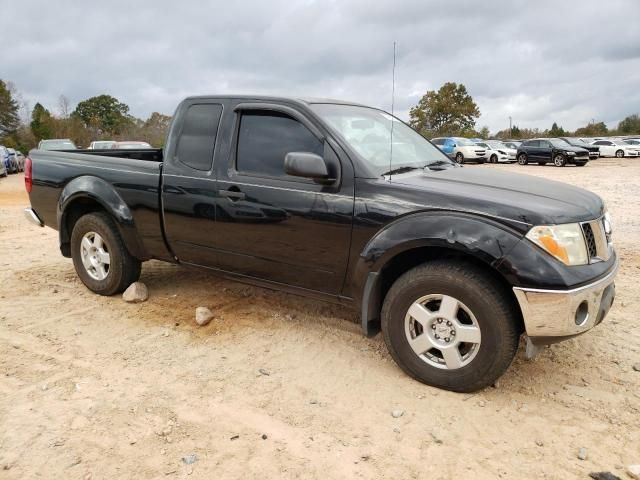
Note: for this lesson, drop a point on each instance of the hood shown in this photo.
(524, 200)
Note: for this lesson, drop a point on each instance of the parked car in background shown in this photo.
(20, 157)
(551, 150)
(3, 166)
(632, 141)
(498, 151)
(513, 144)
(594, 151)
(461, 149)
(616, 148)
(13, 161)
(57, 144)
(130, 145)
(101, 144)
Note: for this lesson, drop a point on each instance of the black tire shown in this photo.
(559, 160)
(522, 159)
(124, 269)
(493, 159)
(494, 310)
(459, 158)
(620, 153)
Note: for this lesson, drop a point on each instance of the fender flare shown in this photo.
(482, 238)
(102, 193)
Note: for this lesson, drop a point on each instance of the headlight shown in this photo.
(570, 153)
(501, 152)
(564, 242)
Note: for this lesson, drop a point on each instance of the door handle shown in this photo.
(232, 195)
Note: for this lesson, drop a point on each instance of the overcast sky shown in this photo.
(568, 61)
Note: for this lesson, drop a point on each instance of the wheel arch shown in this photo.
(88, 194)
(460, 238)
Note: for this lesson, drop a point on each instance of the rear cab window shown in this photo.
(198, 136)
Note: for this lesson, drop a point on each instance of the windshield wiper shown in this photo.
(398, 170)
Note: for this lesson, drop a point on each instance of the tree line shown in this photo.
(102, 117)
(451, 112)
(448, 111)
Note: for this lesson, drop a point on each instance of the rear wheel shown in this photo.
(522, 159)
(459, 158)
(559, 160)
(450, 325)
(620, 153)
(100, 257)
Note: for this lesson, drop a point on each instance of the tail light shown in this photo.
(28, 174)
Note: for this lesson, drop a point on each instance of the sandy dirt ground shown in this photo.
(278, 386)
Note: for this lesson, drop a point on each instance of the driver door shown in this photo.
(277, 227)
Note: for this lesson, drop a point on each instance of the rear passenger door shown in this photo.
(277, 227)
(545, 150)
(189, 184)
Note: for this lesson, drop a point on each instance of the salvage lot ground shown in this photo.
(91, 387)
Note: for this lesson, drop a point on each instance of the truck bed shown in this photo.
(135, 175)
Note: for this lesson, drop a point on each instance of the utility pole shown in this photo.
(510, 128)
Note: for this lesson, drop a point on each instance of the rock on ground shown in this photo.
(634, 471)
(136, 293)
(203, 315)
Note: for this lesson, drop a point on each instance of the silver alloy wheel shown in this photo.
(619, 154)
(558, 160)
(522, 159)
(95, 256)
(459, 157)
(442, 331)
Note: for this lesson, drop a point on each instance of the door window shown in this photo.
(265, 138)
(198, 137)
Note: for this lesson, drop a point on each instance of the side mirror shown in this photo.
(454, 145)
(307, 165)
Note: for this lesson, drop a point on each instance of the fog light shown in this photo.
(582, 313)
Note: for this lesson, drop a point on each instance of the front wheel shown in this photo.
(522, 159)
(100, 256)
(620, 153)
(493, 159)
(450, 325)
(459, 158)
(559, 160)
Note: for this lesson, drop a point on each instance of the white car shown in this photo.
(101, 144)
(461, 149)
(616, 148)
(498, 151)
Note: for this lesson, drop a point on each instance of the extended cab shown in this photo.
(326, 199)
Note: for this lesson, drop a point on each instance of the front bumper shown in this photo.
(554, 315)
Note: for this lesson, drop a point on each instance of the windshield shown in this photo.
(620, 142)
(368, 132)
(633, 142)
(496, 144)
(57, 145)
(482, 144)
(556, 142)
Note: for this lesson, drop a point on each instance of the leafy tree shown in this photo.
(556, 131)
(630, 125)
(484, 132)
(106, 112)
(448, 111)
(41, 122)
(593, 130)
(9, 119)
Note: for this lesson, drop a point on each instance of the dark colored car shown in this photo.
(452, 263)
(594, 151)
(551, 150)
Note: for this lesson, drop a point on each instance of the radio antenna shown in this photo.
(393, 97)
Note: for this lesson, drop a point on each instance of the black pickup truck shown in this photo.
(342, 202)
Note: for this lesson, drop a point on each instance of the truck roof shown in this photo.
(302, 100)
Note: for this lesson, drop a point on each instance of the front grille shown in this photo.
(598, 241)
(590, 239)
